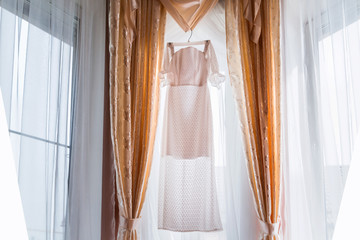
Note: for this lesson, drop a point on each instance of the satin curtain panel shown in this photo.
(254, 66)
(136, 45)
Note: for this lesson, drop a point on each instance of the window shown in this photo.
(37, 80)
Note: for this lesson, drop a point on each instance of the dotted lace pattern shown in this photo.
(187, 193)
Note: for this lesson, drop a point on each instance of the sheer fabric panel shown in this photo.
(322, 110)
(37, 45)
(84, 203)
(12, 219)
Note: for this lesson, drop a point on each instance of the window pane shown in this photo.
(36, 78)
(43, 174)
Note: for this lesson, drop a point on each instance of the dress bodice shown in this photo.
(190, 66)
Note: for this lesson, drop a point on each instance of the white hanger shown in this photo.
(188, 43)
(190, 35)
(180, 44)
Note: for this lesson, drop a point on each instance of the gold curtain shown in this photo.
(136, 46)
(253, 52)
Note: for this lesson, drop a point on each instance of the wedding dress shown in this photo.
(187, 189)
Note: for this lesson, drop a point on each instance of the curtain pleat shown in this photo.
(188, 13)
(136, 45)
(253, 52)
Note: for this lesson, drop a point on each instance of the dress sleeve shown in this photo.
(165, 75)
(215, 77)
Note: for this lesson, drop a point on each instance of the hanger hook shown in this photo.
(190, 35)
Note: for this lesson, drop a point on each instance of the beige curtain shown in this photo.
(252, 35)
(188, 13)
(136, 44)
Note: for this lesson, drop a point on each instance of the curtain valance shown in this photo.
(188, 13)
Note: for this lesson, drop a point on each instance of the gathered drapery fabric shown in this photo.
(136, 46)
(188, 13)
(322, 110)
(252, 14)
(254, 69)
(39, 48)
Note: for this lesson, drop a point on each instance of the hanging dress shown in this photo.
(187, 189)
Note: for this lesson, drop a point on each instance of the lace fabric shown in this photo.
(215, 78)
(187, 193)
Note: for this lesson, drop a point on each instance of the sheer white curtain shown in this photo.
(36, 77)
(12, 220)
(321, 55)
(235, 200)
(85, 180)
(51, 78)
